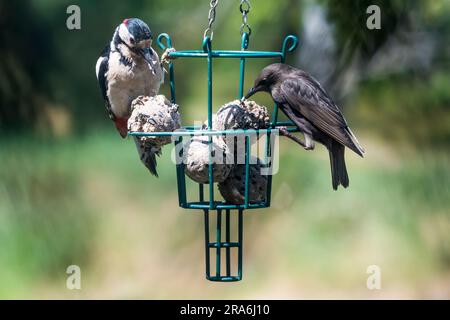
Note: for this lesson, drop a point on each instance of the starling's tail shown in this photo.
(147, 154)
(337, 160)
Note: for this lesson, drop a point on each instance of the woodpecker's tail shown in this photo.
(147, 154)
(337, 160)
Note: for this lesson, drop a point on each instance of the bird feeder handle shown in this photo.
(244, 8)
(211, 18)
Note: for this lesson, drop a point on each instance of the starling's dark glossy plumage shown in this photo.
(308, 105)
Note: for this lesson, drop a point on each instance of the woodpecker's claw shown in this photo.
(165, 58)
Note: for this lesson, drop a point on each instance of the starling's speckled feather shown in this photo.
(304, 95)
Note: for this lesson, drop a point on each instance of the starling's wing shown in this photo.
(306, 96)
(101, 69)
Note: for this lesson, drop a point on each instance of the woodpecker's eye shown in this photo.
(132, 41)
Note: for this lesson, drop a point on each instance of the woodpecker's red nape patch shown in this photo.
(125, 22)
(121, 125)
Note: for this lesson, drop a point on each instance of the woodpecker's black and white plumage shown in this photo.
(307, 104)
(127, 68)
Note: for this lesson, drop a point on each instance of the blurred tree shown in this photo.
(26, 58)
(43, 64)
(349, 19)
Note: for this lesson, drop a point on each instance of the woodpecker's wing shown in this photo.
(101, 69)
(306, 96)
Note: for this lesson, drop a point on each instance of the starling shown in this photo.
(317, 117)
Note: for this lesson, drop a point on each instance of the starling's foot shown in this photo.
(165, 58)
(309, 142)
(286, 133)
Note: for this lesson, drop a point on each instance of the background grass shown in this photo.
(88, 201)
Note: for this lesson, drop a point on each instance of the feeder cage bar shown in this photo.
(228, 245)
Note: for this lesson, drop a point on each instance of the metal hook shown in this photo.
(161, 44)
(290, 43)
(206, 44)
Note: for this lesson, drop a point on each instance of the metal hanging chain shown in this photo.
(211, 19)
(244, 7)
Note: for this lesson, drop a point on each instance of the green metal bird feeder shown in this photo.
(222, 245)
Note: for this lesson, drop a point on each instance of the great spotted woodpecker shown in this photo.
(127, 68)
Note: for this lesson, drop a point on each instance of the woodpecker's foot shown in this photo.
(165, 58)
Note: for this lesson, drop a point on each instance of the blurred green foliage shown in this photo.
(349, 37)
(88, 201)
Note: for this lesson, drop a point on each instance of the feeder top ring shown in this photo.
(206, 45)
(290, 43)
(166, 37)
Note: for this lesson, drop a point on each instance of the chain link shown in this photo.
(244, 7)
(211, 19)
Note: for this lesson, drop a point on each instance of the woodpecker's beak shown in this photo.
(146, 53)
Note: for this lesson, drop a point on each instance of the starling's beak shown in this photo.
(251, 92)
